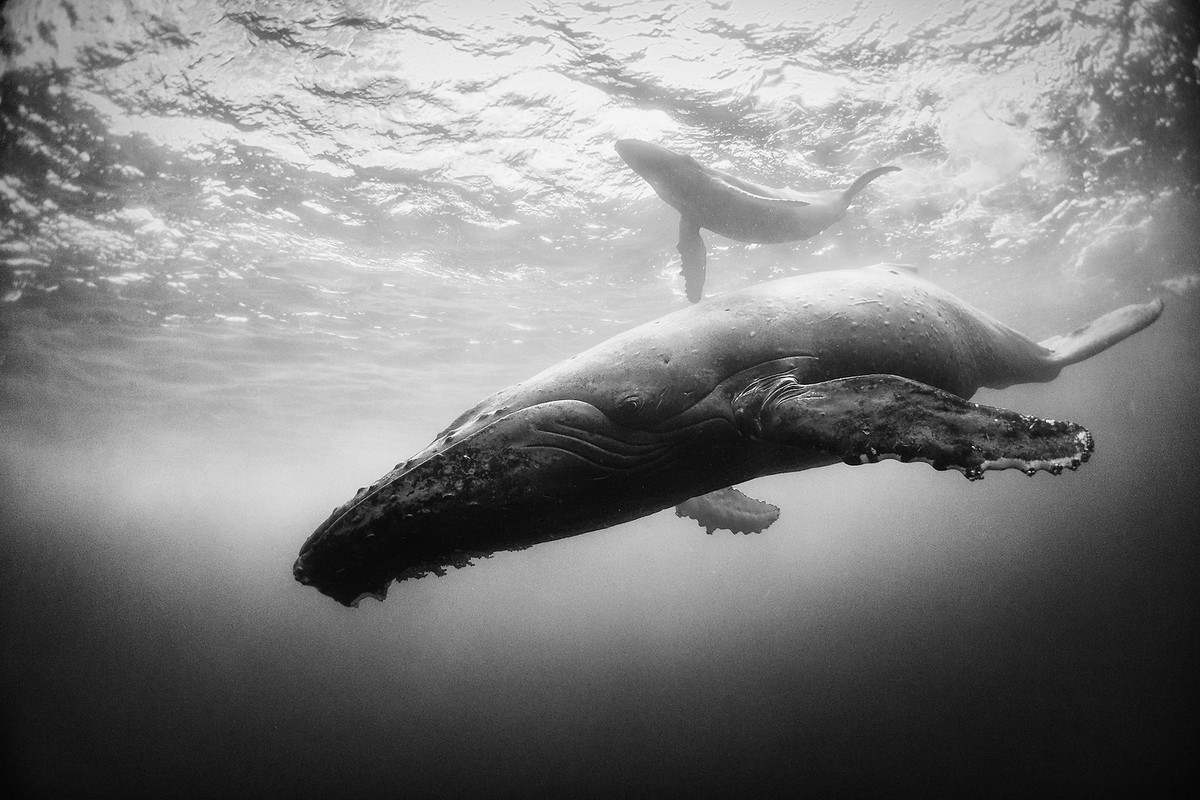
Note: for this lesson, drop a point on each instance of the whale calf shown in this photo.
(848, 366)
(735, 208)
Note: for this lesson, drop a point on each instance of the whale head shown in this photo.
(675, 177)
(645, 157)
(500, 481)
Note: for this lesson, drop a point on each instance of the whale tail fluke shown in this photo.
(1101, 334)
(866, 178)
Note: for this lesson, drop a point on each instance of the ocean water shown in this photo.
(254, 254)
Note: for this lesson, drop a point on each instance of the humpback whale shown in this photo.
(849, 366)
(733, 207)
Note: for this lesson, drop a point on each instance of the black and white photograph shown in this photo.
(588, 399)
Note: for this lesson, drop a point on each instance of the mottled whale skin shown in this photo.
(733, 207)
(847, 366)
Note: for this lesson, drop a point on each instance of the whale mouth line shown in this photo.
(630, 453)
(601, 458)
(605, 450)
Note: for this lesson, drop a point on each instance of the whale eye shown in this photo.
(628, 406)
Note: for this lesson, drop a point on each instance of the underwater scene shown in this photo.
(283, 282)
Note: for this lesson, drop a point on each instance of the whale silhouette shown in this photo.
(733, 207)
(849, 366)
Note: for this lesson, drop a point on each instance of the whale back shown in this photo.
(847, 322)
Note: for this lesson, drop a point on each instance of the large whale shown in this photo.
(848, 366)
(733, 207)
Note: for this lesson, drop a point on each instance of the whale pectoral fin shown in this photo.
(868, 417)
(693, 255)
(729, 510)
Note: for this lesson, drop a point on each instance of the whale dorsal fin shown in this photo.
(893, 267)
(729, 509)
(755, 191)
(777, 196)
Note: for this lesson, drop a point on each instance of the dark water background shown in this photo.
(254, 254)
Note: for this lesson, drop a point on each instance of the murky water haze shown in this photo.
(252, 255)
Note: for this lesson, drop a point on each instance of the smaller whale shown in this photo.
(735, 208)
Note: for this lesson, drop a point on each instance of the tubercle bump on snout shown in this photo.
(411, 522)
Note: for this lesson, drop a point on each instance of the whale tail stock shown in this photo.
(1101, 334)
(863, 180)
